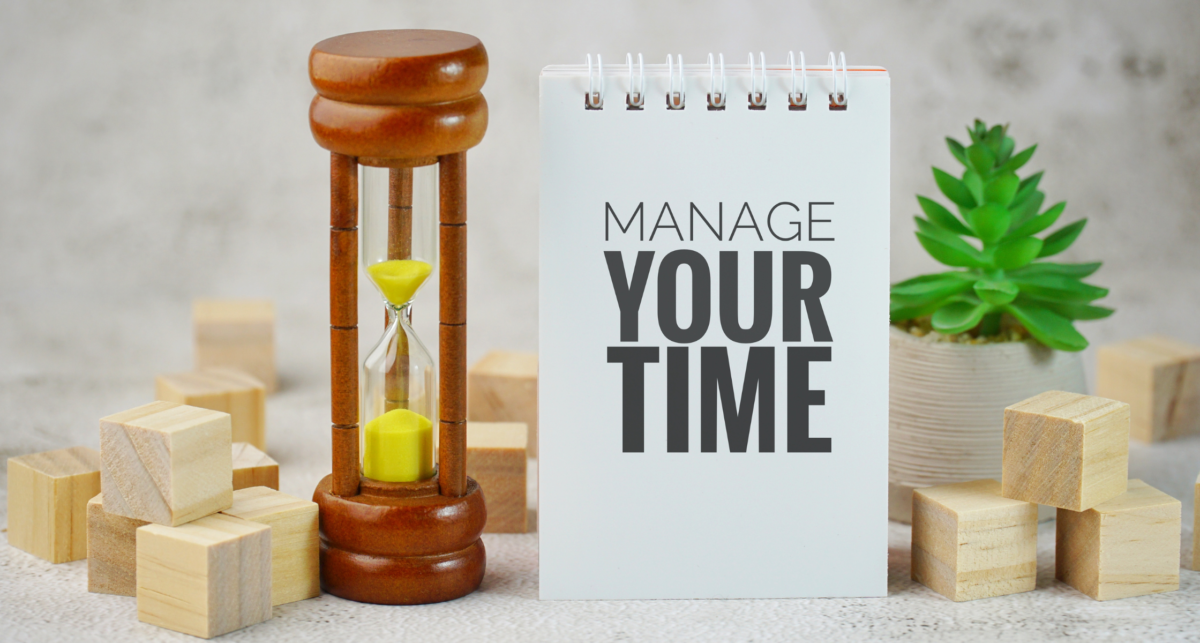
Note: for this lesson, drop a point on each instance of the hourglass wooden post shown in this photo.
(399, 99)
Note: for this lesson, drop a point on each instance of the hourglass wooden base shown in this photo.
(401, 543)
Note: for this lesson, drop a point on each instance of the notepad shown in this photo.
(713, 373)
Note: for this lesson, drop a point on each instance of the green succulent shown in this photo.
(1001, 268)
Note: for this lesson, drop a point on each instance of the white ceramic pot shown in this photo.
(947, 400)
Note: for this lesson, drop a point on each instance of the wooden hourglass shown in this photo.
(394, 530)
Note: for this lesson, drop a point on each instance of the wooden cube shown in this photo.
(205, 578)
(221, 389)
(112, 551)
(502, 387)
(238, 334)
(1160, 379)
(295, 564)
(253, 468)
(1127, 546)
(47, 502)
(970, 542)
(166, 463)
(1066, 450)
(496, 459)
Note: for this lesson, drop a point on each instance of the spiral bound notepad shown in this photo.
(713, 330)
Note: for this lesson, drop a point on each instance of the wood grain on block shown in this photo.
(502, 387)
(496, 459)
(112, 551)
(295, 556)
(1066, 450)
(253, 468)
(166, 463)
(47, 502)
(238, 334)
(1127, 546)
(970, 542)
(205, 578)
(229, 390)
(1160, 379)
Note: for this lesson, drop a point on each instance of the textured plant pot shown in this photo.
(946, 407)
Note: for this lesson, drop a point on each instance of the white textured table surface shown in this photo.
(44, 602)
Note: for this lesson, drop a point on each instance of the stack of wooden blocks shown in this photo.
(169, 528)
(502, 434)
(1116, 537)
(156, 514)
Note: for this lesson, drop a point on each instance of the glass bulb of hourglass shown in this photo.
(399, 380)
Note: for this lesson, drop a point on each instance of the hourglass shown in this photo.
(404, 106)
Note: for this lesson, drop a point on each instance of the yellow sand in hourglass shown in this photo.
(399, 447)
(399, 279)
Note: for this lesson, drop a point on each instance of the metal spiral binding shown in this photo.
(675, 98)
(798, 101)
(839, 99)
(594, 99)
(716, 99)
(758, 99)
(636, 100)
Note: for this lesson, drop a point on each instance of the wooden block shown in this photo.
(970, 542)
(496, 459)
(253, 468)
(166, 463)
(47, 502)
(502, 387)
(1196, 529)
(111, 551)
(1160, 379)
(238, 334)
(227, 390)
(295, 564)
(1127, 546)
(1066, 450)
(205, 578)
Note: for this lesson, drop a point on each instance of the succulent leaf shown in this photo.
(989, 221)
(960, 255)
(936, 288)
(974, 184)
(1029, 183)
(1047, 326)
(1062, 238)
(1026, 209)
(982, 159)
(1006, 150)
(943, 217)
(1016, 253)
(959, 316)
(1051, 287)
(957, 150)
(1017, 162)
(954, 189)
(1001, 189)
(1041, 221)
(1076, 270)
(1077, 311)
(996, 293)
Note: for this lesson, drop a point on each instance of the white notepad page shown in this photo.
(616, 522)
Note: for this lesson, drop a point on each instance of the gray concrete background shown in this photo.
(152, 152)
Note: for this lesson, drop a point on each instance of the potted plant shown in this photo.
(994, 330)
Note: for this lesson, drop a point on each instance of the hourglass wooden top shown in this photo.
(399, 95)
